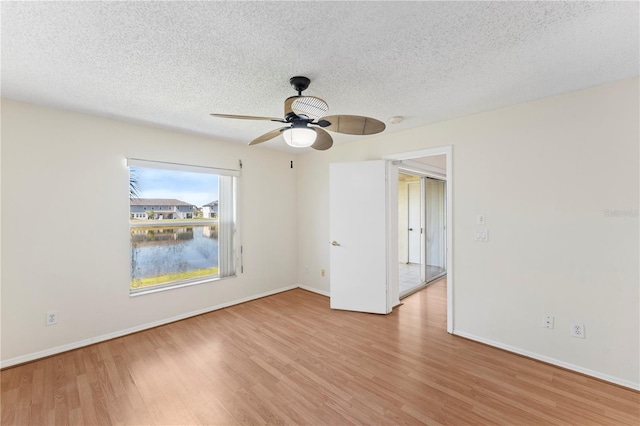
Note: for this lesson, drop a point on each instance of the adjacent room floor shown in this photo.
(409, 275)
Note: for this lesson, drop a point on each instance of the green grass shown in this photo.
(176, 276)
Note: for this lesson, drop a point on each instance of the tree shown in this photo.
(151, 214)
(134, 186)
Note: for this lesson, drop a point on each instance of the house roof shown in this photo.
(211, 204)
(157, 202)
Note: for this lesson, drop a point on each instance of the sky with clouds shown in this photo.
(193, 188)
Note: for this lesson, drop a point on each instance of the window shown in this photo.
(171, 246)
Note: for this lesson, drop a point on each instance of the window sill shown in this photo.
(179, 284)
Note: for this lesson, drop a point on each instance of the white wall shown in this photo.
(55, 162)
(544, 173)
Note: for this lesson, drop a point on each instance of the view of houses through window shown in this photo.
(176, 227)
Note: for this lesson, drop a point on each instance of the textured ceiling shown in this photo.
(173, 63)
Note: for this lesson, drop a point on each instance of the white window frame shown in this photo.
(228, 266)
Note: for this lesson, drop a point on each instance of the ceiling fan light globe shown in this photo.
(299, 137)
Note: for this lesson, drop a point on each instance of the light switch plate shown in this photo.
(482, 234)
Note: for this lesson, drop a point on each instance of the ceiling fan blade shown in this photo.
(323, 140)
(249, 117)
(354, 124)
(287, 105)
(267, 136)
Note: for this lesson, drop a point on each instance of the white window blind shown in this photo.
(227, 226)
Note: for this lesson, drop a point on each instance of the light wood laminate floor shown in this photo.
(289, 359)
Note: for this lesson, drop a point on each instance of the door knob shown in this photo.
(410, 229)
(335, 243)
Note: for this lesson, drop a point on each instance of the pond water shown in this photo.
(158, 251)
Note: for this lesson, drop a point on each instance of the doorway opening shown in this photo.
(418, 162)
(422, 254)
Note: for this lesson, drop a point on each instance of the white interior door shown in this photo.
(358, 220)
(414, 226)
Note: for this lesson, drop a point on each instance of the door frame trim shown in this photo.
(429, 152)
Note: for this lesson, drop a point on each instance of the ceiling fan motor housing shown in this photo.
(300, 122)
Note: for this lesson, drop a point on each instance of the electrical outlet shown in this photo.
(577, 329)
(322, 272)
(547, 321)
(52, 318)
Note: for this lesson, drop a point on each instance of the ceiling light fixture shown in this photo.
(299, 137)
(301, 112)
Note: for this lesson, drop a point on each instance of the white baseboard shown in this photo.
(315, 290)
(568, 366)
(86, 342)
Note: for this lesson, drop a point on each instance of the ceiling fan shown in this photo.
(305, 119)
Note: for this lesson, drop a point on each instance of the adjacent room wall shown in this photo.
(65, 236)
(545, 174)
